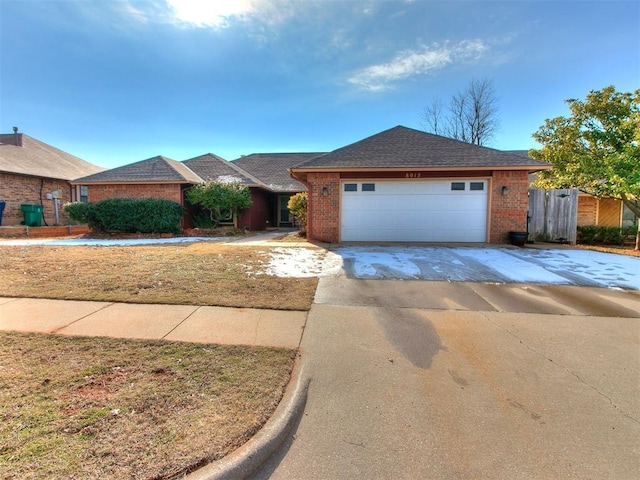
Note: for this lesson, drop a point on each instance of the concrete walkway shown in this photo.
(187, 323)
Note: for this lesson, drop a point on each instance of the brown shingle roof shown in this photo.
(273, 169)
(38, 159)
(211, 167)
(152, 170)
(401, 147)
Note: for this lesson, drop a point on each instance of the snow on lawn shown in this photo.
(295, 262)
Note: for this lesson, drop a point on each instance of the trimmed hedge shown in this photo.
(594, 235)
(146, 215)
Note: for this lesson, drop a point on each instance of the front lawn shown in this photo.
(90, 408)
(194, 274)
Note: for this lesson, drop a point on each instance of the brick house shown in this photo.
(30, 170)
(265, 175)
(411, 186)
(604, 212)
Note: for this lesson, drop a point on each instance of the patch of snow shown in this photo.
(295, 262)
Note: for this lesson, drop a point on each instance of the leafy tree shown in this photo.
(596, 149)
(297, 205)
(221, 199)
(470, 116)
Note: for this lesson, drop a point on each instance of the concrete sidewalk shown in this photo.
(187, 323)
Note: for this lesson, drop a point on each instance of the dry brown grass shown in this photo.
(195, 274)
(620, 250)
(111, 409)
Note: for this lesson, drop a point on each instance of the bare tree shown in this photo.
(471, 115)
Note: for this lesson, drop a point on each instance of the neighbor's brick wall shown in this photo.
(508, 212)
(324, 222)
(167, 191)
(19, 189)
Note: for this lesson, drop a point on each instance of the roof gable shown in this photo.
(212, 168)
(402, 147)
(157, 169)
(273, 169)
(35, 158)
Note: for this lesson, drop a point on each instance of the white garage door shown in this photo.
(414, 211)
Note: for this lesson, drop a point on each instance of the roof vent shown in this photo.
(16, 139)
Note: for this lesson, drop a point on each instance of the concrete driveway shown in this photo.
(561, 265)
(440, 380)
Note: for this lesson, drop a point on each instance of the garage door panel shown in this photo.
(415, 211)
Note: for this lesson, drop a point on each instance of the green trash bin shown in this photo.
(32, 214)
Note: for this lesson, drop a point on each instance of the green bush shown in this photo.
(147, 215)
(78, 211)
(594, 235)
(202, 220)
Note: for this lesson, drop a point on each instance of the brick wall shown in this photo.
(508, 212)
(19, 189)
(167, 191)
(323, 223)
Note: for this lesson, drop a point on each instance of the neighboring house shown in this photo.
(584, 210)
(265, 175)
(604, 212)
(410, 186)
(30, 170)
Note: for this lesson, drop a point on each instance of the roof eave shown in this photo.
(132, 182)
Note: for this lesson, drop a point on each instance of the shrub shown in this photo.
(221, 199)
(147, 215)
(298, 207)
(77, 211)
(594, 235)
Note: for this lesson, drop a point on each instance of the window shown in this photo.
(368, 187)
(457, 185)
(476, 186)
(350, 187)
(84, 193)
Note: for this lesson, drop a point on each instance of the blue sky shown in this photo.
(119, 81)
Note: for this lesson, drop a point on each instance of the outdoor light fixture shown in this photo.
(325, 191)
(505, 190)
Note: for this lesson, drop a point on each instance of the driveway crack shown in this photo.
(565, 368)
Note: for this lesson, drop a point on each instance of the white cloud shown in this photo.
(411, 63)
(210, 13)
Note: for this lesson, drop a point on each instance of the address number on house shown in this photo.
(413, 175)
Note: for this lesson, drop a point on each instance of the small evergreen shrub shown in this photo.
(77, 211)
(594, 235)
(298, 207)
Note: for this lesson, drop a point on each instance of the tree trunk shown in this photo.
(638, 236)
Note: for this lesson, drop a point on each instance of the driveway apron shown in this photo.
(431, 380)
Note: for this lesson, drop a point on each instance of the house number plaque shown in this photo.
(412, 175)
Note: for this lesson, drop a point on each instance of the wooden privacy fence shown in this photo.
(553, 215)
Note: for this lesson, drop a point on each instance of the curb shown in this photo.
(248, 458)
